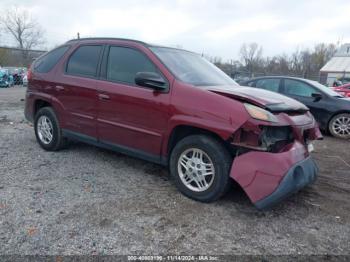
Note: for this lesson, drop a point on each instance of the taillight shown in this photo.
(29, 74)
(348, 94)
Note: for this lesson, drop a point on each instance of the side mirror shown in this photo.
(316, 96)
(151, 80)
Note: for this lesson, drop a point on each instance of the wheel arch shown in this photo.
(40, 103)
(183, 130)
(43, 100)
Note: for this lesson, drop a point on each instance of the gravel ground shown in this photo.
(85, 200)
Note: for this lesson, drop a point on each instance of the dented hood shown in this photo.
(269, 100)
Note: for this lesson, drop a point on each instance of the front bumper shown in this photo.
(300, 175)
(267, 178)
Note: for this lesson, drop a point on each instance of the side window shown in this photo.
(298, 88)
(48, 61)
(124, 63)
(251, 83)
(269, 84)
(84, 61)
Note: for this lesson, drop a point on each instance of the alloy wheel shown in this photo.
(196, 169)
(45, 129)
(341, 126)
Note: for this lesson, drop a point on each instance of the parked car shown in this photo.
(331, 110)
(5, 80)
(17, 74)
(10, 80)
(174, 108)
(343, 90)
(25, 80)
(9, 77)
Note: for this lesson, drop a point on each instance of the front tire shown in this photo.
(339, 126)
(47, 130)
(200, 168)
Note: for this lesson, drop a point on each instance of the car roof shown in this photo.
(285, 77)
(88, 39)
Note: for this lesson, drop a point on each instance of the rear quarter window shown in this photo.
(45, 63)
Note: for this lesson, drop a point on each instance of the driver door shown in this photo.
(130, 117)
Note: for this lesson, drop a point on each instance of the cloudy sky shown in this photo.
(213, 27)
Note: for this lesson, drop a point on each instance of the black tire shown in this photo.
(58, 141)
(220, 158)
(338, 133)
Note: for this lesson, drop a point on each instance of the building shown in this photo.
(10, 56)
(338, 68)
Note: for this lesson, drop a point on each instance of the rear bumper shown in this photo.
(267, 178)
(300, 175)
(29, 106)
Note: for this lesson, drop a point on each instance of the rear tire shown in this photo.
(200, 168)
(339, 126)
(47, 130)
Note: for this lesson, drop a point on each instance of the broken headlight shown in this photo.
(260, 113)
(275, 138)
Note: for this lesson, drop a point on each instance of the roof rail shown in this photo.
(106, 38)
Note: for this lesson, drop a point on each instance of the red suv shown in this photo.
(174, 108)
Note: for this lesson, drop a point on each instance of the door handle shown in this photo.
(59, 88)
(103, 97)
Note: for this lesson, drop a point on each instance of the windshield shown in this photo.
(191, 68)
(325, 89)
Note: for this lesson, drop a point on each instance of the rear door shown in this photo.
(248, 83)
(271, 84)
(130, 116)
(76, 89)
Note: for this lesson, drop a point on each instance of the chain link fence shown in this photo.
(15, 57)
(14, 63)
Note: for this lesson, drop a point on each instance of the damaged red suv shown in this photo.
(174, 108)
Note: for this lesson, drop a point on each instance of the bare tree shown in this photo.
(296, 62)
(301, 63)
(214, 59)
(23, 28)
(277, 65)
(321, 54)
(251, 56)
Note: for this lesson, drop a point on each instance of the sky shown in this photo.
(213, 27)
